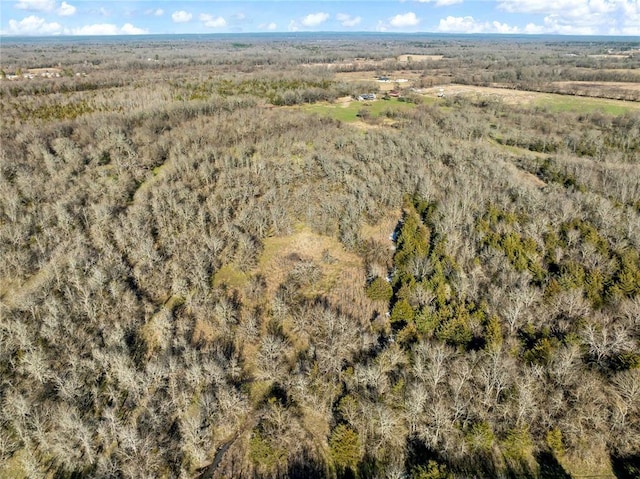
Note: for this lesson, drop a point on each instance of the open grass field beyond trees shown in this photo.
(216, 261)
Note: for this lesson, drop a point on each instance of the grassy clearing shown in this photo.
(597, 464)
(333, 272)
(585, 105)
(515, 150)
(419, 58)
(229, 275)
(383, 230)
(282, 254)
(348, 112)
(14, 466)
(339, 274)
(550, 101)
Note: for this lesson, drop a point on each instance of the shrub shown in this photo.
(379, 289)
(432, 470)
(481, 437)
(554, 441)
(346, 449)
(402, 312)
(265, 456)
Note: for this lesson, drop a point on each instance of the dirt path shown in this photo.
(209, 471)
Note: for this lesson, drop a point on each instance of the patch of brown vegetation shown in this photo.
(419, 58)
(204, 332)
(509, 96)
(616, 90)
(38, 71)
(340, 273)
(611, 55)
(364, 125)
(530, 178)
(383, 229)
(344, 101)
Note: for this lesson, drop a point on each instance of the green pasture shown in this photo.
(581, 104)
(349, 112)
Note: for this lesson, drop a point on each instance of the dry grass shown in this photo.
(282, 253)
(230, 276)
(381, 231)
(631, 86)
(341, 275)
(419, 58)
(611, 55)
(552, 101)
(38, 71)
(512, 97)
(596, 463)
(204, 332)
(523, 176)
(14, 467)
(341, 279)
(14, 293)
(617, 90)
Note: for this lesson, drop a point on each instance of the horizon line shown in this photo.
(329, 32)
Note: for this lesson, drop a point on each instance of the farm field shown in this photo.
(555, 102)
(349, 110)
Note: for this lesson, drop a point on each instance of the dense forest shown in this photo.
(205, 273)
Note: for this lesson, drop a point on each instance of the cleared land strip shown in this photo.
(553, 101)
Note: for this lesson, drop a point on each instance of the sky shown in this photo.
(136, 17)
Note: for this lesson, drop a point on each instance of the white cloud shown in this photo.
(347, 20)
(604, 6)
(96, 29)
(558, 24)
(157, 12)
(66, 10)
(540, 6)
(293, 26)
(268, 26)
(36, 5)
(315, 19)
(533, 29)
(631, 30)
(441, 3)
(468, 24)
(497, 27)
(457, 24)
(33, 25)
(579, 17)
(211, 21)
(408, 19)
(128, 29)
(107, 29)
(181, 16)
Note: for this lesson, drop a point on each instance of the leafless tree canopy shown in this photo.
(200, 276)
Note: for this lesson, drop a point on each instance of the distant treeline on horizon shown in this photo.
(318, 36)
